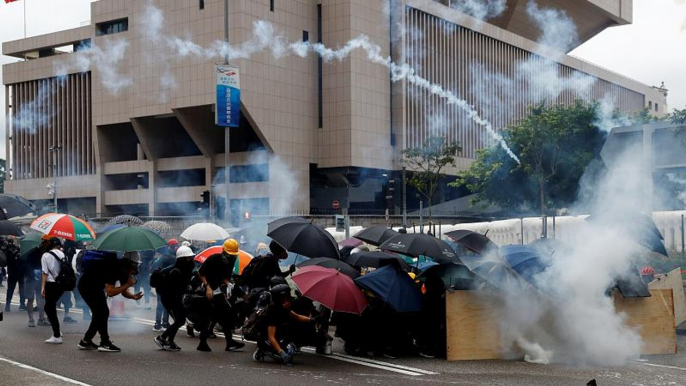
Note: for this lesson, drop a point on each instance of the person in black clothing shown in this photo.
(272, 339)
(175, 284)
(166, 259)
(15, 273)
(214, 274)
(144, 282)
(268, 268)
(101, 271)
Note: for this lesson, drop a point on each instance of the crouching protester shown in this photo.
(173, 285)
(100, 273)
(273, 339)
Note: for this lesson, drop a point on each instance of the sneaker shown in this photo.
(69, 320)
(189, 331)
(165, 326)
(160, 342)
(22, 307)
(43, 323)
(171, 346)
(203, 346)
(87, 345)
(157, 328)
(54, 340)
(7, 307)
(32, 323)
(258, 355)
(234, 345)
(108, 347)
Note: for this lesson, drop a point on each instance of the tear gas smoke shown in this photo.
(31, 115)
(558, 31)
(480, 9)
(105, 59)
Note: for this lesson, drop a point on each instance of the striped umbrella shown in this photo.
(63, 226)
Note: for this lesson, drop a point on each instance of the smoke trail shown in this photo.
(558, 31)
(480, 9)
(31, 115)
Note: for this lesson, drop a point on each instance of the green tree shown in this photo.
(677, 116)
(554, 144)
(427, 164)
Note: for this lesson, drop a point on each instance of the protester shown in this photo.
(214, 274)
(101, 272)
(260, 271)
(167, 258)
(173, 286)
(49, 290)
(32, 284)
(143, 282)
(15, 273)
(272, 340)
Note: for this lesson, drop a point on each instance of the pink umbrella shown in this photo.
(331, 288)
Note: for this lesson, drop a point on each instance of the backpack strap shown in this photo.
(56, 257)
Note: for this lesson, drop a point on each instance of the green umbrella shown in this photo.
(129, 239)
(28, 242)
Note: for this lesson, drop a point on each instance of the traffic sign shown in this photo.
(335, 204)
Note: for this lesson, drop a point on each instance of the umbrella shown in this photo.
(125, 219)
(336, 264)
(8, 228)
(64, 226)
(630, 285)
(30, 241)
(375, 259)
(495, 270)
(351, 242)
(473, 241)
(329, 287)
(109, 228)
(129, 239)
(548, 246)
(640, 227)
(241, 262)
(204, 231)
(303, 237)
(375, 235)
(15, 206)
(421, 244)
(158, 227)
(455, 276)
(293, 258)
(525, 260)
(393, 286)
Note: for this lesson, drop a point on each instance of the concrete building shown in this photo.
(132, 128)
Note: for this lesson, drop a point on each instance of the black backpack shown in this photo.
(66, 279)
(158, 277)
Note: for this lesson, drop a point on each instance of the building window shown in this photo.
(112, 27)
(271, 5)
(656, 107)
(201, 4)
(320, 94)
(650, 105)
(306, 36)
(249, 173)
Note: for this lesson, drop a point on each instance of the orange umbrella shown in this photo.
(242, 261)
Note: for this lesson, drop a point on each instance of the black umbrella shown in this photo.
(455, 276)
(473, 241)
(15, 206)
(496, 271)
(374, 259)
(639, 227)
(375, 235)
(8, 228)
(328, 262)
(303, 237)
(416, 244)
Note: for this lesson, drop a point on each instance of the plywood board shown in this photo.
(673, 281)
(473, 325)
(653, 317)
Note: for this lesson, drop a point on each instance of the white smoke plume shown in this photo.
(558, 31)
(104, 59)
(679, 181)
(480, 9)
(31, 114)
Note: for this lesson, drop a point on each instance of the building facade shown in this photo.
(119, 114)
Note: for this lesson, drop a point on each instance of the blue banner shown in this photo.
(228, 108)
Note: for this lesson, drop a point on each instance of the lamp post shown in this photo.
(227, 130)
(53, 149)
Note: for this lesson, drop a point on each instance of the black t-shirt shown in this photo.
(216, 269)
(274, 315)
(179, 278)
(101, 270)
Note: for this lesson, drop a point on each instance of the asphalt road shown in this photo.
(26, 360)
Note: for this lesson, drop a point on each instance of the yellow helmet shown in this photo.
(230, 246)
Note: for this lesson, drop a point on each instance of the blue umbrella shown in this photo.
(393, 286)
(525, 260)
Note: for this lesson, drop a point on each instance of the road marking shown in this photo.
(663, 366)
(56, 376)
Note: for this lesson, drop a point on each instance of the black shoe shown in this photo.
(22, 308)
(171, 346)
(161, 342)
(189, 331)
(69, 320)
(203, 346)
(258, 355)
(87, 345)
(7, 308)
(108, 347)
(234, 345)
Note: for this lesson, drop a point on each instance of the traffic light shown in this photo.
(206, 197)
(390, 191)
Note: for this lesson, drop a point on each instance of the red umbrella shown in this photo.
(331, 288)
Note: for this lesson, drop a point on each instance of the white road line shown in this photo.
(663, 366)
(416, 370)
(53, 375)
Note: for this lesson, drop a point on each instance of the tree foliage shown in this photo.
(677, 116)
(427, 164)
(554, 144)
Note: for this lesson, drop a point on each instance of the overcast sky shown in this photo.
(651, 50)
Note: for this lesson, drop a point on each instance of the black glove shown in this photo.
(287, 360)
(291, 269)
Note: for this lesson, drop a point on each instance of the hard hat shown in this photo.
(172, 242)
(230, 246)
(184, 251)
(186, 244)
(280, 291)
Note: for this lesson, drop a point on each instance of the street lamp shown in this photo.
(53, 149)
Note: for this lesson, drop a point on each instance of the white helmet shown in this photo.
(184, 252)
(186, 244)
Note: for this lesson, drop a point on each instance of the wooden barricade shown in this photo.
(673, 281)
(473, 325)
(653, 317)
